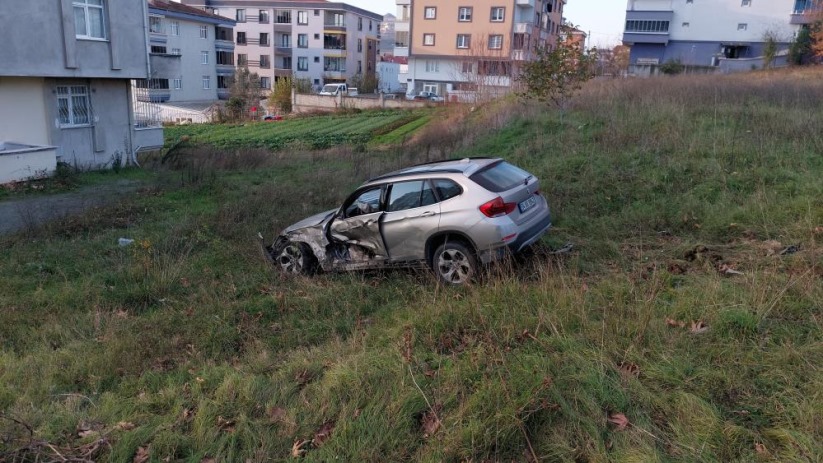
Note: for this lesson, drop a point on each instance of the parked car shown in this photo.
(337, 89)
(451, 216)
(425, 96)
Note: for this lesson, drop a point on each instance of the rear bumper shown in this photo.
(524, 239)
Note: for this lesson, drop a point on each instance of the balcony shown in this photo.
(283, 49)
(223, 93)
(647, 27)
(224, 44)
(522, 28)
(225, 69)
(335, 52)
(519, 55)
(282, 72)
(165, 65)
(805, 12)
(524, 3)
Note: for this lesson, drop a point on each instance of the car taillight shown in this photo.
(496, 207)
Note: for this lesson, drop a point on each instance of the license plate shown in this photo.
(527, 204)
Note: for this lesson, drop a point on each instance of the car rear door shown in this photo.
(412, 215)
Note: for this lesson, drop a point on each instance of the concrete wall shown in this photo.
(39, 40)
(23, 117)
(26, 164)
(109, 137)
(306, 103)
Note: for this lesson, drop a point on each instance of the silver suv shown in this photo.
(448, 215)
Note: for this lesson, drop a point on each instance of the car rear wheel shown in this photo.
(454, 263)
(296, 258)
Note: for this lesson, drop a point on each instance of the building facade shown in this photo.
(727, 34)
(466, 50)
(322, 42)
(70, 89)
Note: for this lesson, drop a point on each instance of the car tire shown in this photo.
(454, 263)
(295, 258)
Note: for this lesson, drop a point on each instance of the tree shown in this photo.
(557, 73)
(800, 51)
(769, 49)
(280, 98)
(244, 94)
(364, 83)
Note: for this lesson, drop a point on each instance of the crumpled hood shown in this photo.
(312, 221)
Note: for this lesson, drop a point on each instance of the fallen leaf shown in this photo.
(727, 269)
(141, 456)
(323, 434)
(674, 323)
(124, 426)
(629, 369)
(760, 448)
(818, 230)
(276, 414)
(187, 414)
(430, 421)
(356, 413)
(297, 450)
(225, 425)
(699, 327)
(87, 433)
(619, 420)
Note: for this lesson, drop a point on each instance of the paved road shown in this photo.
(20, 214)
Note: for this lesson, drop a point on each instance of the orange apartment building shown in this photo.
(468, 50)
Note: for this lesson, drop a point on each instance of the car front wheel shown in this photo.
(296, 258)
(454, 263)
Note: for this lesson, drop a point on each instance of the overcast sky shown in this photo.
(602, 19)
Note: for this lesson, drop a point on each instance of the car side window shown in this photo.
(447, 189)
(409, 195)
(366, 202)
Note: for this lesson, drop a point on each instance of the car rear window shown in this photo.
(500, 177)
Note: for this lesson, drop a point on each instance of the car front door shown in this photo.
(358, 222)
(412, 215)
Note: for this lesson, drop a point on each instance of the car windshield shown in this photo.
(500, 177)
(329, 88)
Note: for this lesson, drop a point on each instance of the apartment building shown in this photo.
(467, 50)
(727, 34)
(191, 53)
(323, 42)
(65, 84)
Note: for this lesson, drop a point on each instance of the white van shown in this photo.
(334, 89)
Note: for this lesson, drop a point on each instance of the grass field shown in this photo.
(317, 132)
(684, 326)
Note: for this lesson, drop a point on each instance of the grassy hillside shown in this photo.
(684, 326)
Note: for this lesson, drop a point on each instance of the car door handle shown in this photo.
(428, 214)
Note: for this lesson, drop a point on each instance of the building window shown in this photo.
(430, 12)
(285, 40)
(158, 50)
(204, 57)
(746, 3)
(467, 67)
(204, 32)
(302, 18)
(73, 105)
(519, 41)
(282, 16)
(464, 14)
(264, 39)
(240, 16)
(302, 40)
(432, 66)
(686, 25)
(359, 67)
(241, 38)
(263, 17)
(316, 59)
(498, 14)
(225, 58)
(647, 26)
(176, 52)
(401, 39)
(265, 61)
(359, 24)
(175, 28)
(302, 63)
(156, 25)
(88, 19)
(742, 26)
(265, 83)
(178, 83)
(242, 59)
(286, 62)
(206, 83)
(464, 41)
(359, 45)
(317, 12)
(495, 42)
(223, 82)
(428, 40)
(316, 36)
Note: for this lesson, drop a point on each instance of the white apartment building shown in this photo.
(729, 34)
(471, 50)
(323, 42)
(191, 54)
